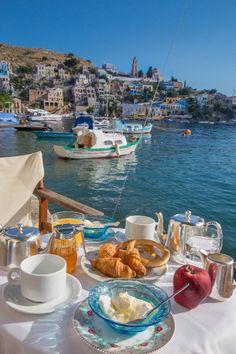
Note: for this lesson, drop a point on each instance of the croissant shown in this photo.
(123, 253)
(113, 267)
(134, 262)
(107, 250)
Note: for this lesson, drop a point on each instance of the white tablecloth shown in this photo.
(208, 329)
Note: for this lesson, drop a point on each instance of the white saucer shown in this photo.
(13, 298)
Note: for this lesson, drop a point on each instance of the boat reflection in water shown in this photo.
(98, 173)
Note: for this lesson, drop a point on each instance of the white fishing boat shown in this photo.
(40, 115)
(129, 128)
(94, 144)
(91, 121)
(101, 124)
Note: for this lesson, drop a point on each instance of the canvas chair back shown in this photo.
(19, 175)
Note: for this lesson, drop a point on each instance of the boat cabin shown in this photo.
(97, 139)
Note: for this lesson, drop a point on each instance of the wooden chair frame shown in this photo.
(45, 195)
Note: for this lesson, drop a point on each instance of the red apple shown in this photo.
(197, 291)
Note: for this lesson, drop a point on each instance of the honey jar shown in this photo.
(63, 243)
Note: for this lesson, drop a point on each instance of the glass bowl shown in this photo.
(147, 292)
(96, 232)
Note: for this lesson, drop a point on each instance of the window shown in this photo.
(108, 142)
(119, 142)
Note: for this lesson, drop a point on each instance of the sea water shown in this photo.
(168, 173)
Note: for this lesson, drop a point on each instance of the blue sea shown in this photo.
(168, 173)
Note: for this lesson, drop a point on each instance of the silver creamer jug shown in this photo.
(220, 267)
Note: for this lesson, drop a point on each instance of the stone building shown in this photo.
(36, 95)
(4, 76)
(16, 107)
(46, 70)
(54, 100)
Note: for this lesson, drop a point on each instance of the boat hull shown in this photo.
(30, 127)
(67, 152)
(53, 135)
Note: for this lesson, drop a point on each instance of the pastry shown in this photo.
(107, 250)
(134, 262)
(153, 260)
(113, 267)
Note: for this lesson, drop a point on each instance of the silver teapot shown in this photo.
(181, 227)
(220, 267)
(18, 243)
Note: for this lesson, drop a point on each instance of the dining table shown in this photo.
(210, 328)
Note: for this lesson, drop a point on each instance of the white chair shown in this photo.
(20, 178)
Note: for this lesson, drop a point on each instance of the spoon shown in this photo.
(147, 314)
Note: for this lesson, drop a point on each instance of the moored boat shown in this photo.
(53, 135)
(129, 128)
(39, 115)
(93, 144)
(32, 127)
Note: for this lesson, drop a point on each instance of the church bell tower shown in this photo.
(134, 69)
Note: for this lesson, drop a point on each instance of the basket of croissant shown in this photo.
(130, 259)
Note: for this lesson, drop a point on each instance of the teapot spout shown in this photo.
(160, 228)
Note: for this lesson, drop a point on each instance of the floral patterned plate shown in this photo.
(92, 253)
(96, 333)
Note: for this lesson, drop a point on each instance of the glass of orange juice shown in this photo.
(71, 218)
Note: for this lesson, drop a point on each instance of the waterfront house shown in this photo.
(135, 88)
(84, 95)
(15, 107)
(63, 73)
(79, 93)
(54, 100)
(202, 99)
(147, 86)
(232, 100)
(173, 85)
(4, 76)
(82, 79)
(103, 89)
(91, 96)
(36, 95)
(171, 106)
(46, 70)
(135, 109)
(109, 68)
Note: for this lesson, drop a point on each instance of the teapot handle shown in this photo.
(218, 231)
(216, 225)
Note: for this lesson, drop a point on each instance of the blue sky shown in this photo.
(203, 53)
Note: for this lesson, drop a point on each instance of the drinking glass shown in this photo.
(71, 218)
(208, 238)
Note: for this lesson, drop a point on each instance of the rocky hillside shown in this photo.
(19, 56)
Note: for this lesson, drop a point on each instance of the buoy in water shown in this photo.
(187, 132)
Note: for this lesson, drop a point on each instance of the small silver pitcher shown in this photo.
(220, 267)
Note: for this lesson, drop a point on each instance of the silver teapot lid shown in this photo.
(188, 219)
(21, 233)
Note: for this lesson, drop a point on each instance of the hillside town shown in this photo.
(72, 86)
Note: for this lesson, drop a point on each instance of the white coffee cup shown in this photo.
(41, 277)
(140, 227)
